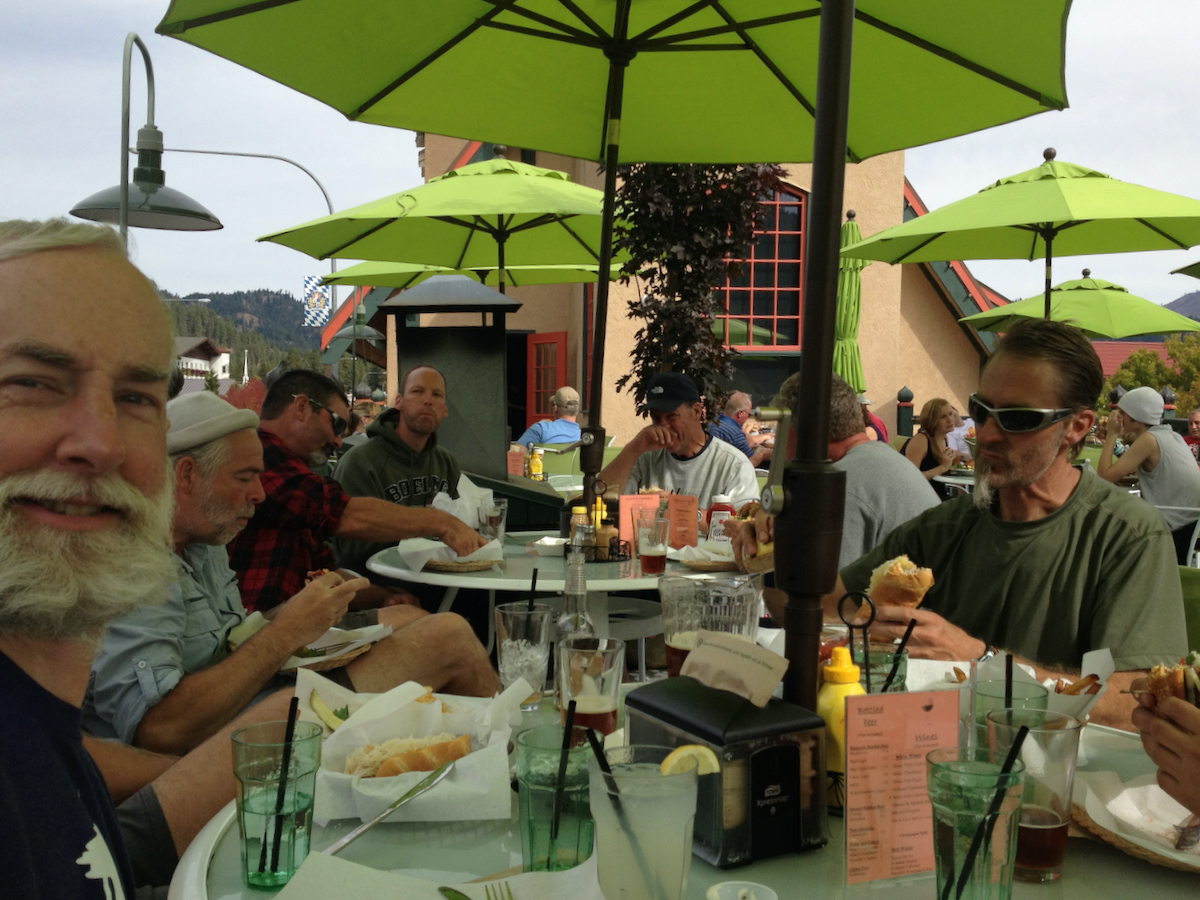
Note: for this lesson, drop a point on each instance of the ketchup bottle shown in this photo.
(720, 509)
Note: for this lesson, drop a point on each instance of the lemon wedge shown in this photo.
(681, 759)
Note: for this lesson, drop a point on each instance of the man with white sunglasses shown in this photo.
(1044, 559)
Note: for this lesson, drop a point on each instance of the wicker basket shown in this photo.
(456, 565)
(335, 662)
(1079, 814)
(725, 565)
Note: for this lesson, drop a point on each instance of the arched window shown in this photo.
(762, 307)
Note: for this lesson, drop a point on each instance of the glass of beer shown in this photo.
(1049, 755)
(590, 672)
(689, 605)
(650, 529)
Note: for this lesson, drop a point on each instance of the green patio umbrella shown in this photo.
(1193, 269)
(1101, 309)
(1058, 208)
(486, 215)
(661, 80)
(404, 275)
(847, 361)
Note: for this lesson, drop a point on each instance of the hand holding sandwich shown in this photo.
(933, 637)
(1170, 731)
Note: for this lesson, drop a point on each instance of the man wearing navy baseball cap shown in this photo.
(675, 452)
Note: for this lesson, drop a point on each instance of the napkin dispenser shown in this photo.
(769, 797)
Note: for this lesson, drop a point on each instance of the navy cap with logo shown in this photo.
(668, 390)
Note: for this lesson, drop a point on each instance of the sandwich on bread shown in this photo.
(763, 559)
(400, 755)
(1181, 680)
(899, 582)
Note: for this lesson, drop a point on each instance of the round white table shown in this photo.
(963, 483)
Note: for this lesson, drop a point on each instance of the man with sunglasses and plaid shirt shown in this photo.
(1044, 560)
(302, 421)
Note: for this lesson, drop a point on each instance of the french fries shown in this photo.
(1084, 685)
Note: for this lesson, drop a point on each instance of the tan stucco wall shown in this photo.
(907, 335)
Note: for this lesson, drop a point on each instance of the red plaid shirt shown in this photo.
(287, 536)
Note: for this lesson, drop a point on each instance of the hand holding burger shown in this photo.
(1168, 718)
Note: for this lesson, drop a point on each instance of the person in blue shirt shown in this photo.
(563, 429)
(728, 428)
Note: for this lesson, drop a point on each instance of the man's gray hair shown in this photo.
(20, 237)
(845, 412)
(737, 402)
(208, 457)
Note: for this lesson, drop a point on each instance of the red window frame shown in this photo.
(763, 309)
(545, 372)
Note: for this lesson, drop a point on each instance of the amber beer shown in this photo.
(597, 713)
(1041, 840)
(678, 647)
(654, 562)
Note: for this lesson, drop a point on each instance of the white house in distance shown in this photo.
(198, 357)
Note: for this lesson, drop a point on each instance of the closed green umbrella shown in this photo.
(486, 215)
(1058, 208)
(847, 361)
(1101, 309)
(405, 275)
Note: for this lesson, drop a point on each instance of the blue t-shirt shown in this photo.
(58, 832)
(558, 431)
(730, 432)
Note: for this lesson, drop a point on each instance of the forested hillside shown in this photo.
(268, 324)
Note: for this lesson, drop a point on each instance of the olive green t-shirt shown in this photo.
(1098, 572)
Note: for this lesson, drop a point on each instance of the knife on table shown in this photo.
(421, 787)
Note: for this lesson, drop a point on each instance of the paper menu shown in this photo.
(681, 510)
(889, 822)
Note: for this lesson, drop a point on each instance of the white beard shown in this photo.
(57, 585)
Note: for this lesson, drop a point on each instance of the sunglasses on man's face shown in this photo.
(1014, 419)
(339, 424)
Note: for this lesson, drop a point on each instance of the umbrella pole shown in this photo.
(810, 524)
(591, 463)
(1048, 237)
(501, 237)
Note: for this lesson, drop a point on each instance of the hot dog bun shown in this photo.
(401, 755)
(899, 582)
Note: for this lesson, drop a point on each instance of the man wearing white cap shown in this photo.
(1166, 470)
(164, 678)
(562, 429)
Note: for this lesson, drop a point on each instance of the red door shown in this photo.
(546, 372)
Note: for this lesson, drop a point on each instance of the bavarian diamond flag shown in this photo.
(318, 301)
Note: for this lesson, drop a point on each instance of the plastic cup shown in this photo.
(539, 752)
(962, 784)
(883, 657)
(990, 695)
(523, 646)
(590, 672)
(1049, 753)
(274, 835)
(643, 826)
(689, 605)
(650, 530)
(493, 516)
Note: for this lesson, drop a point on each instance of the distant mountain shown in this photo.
(267, 325)
(1187, 305)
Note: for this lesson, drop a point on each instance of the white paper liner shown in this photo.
(417, 551)
(478, 788)
(705, 551)
(1137, 810)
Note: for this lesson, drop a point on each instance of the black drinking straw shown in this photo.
(1008, 673)
(983, 831)
(887, 683)
(281, 794)
(560, 784)
(532, 588)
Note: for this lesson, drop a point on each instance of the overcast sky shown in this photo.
(1133, 76)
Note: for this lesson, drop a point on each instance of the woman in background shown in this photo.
(927, 449)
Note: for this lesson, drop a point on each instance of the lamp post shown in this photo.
(154, 205)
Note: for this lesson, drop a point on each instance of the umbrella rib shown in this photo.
(732, 26)
(181, 27)
(582, 243)
(358, 237)
(446, 47)
(584, 18)
(920, 246)
(568, 31)
(959, 60)
(479, 223)
(581, 40)
(1162, 234)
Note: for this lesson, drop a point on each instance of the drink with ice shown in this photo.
(523, 646)
(645, 847)
(524, 659)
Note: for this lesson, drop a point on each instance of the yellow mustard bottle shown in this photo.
(841, 681)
